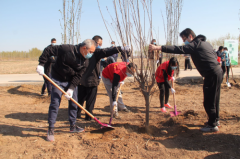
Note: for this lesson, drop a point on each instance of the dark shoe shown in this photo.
(75, 128)
(50, 134)
(209, 128)
(89, 119)
(79, 114)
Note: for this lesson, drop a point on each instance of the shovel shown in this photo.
(110, 121)
(175, 112)
(102, 124)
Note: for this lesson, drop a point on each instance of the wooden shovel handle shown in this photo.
(49, 79)
(117, 95)
(173, 93)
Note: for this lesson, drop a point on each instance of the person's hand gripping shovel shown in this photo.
(102, 124)
(114, 107)
(175, 112)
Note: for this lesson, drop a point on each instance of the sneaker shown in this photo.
(209, 128)
(218, 123)
(115, 114)
(228, 84)
(125, 110)
(75, 128)
(168, 106)
(163, 110)
(50, 134)
(43, 94)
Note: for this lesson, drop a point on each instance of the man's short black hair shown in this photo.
(53, 39)
(96, 38)
(113, 42)
(130, 65)
(220, 48)
(187, 32)
(225, 48)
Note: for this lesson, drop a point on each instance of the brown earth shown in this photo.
(24, 125)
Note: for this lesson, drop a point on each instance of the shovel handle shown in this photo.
(173, 94)
(51, 81)
(115, 105)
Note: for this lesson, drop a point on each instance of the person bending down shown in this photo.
(112, 76)
(163, 74)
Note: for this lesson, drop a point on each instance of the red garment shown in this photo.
(119, 68)
(219, 59)
(159, 73)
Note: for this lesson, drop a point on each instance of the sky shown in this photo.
(27, 24)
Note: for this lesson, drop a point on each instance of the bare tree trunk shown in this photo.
(147, 104)
(65, 24)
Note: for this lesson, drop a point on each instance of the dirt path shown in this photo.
(23, 126)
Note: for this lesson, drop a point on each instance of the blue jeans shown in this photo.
(55, 103)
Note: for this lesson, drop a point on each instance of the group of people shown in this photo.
(224, 60)
(77, 71)
(205, 60)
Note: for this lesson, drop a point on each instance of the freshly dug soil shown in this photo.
(24, 126)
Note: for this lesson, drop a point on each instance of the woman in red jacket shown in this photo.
(163, 74)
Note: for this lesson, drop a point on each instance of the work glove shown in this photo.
(114, 103)
(69, 94)
(173, 91)
(173, 79)
(125, 48)
(121, 82)
(40, 70)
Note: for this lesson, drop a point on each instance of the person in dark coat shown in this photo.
(47, 68)
(205, 60)
(66, 73)
(87, 90)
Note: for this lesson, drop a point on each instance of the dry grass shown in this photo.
(18, 67)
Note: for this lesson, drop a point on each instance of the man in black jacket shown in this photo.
(205, 60)
(47, 68)
(66, 73)
(87, 90)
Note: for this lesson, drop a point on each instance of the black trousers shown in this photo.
(160, 61)
(188, 64)
(211, 92)
(88, 94)
(164, 90)
(47, 85)
(224, 70)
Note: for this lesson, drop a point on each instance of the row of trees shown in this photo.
(220, 41)
(32, 54)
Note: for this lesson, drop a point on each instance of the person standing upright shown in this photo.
(153, 57)
(47, 68)
(115, 56)
(226, 64)
(187, 62)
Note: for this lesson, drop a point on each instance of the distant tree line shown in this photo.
(32, 54)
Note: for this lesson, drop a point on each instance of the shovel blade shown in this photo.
(103, 125)
(173, 113)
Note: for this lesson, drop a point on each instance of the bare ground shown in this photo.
(23, 127)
